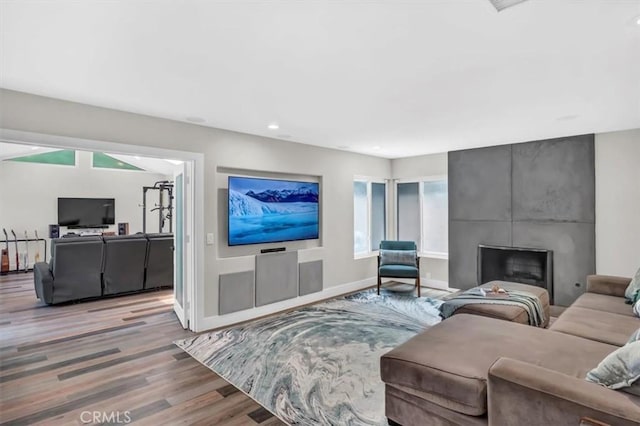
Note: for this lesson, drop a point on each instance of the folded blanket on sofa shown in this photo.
(528, 301)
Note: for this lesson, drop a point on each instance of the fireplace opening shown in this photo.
(531, 266)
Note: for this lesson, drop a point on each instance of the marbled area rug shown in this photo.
(319, 365)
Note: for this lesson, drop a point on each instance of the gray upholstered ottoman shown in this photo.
(508, 312)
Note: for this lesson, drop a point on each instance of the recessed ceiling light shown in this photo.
(194, 119)
(638, 20)
(273, 126)
(567, 117)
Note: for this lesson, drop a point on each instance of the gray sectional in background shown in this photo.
(91, 267)
(536, 194)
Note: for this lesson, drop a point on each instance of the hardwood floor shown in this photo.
(112, 358)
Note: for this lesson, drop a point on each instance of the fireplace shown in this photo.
(531, 266)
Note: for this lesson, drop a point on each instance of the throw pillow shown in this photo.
(619, 370)
(633, 289)
(636, 308)
(398, 257)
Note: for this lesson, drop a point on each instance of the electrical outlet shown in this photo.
(210, 239)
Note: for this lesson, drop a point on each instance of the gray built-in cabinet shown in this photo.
(276, 277)
(536, 194)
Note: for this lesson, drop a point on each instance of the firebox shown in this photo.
(531, 266)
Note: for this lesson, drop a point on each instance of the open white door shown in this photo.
(180, 295)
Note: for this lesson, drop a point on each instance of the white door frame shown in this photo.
(195, 250)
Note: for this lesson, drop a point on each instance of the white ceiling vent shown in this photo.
(503, 4)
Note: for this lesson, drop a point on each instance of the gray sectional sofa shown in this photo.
(91, 267)
(473, 370)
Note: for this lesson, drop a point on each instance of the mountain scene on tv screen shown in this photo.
(263, 210)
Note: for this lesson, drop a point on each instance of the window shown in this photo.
(435, 217)
(369, 215)
(101, 160)
(61, 157)
(422, 208)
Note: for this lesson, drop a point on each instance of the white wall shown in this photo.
(417, 167)
(226, 150)
(30, 191)
(618, 203)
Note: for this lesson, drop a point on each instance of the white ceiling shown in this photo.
(389, 78)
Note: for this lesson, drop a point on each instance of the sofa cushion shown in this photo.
(409, 407)
(398, 271)
(601, 302)
(619, 370)
(605, 327)
(633, 289)
(434, 364)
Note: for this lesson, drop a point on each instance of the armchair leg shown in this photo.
(379, 284)
(418, 285)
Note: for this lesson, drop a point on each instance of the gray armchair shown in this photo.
(74, 271)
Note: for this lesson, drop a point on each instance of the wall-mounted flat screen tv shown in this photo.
(269, 210)
(86, 212)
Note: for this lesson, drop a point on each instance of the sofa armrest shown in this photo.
(521, 393)
(43, 281)
(607, 284)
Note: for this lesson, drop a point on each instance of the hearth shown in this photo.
(531, 266)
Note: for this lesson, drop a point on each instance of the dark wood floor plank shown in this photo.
(260, 415)
(123, 305)
(150, 314)
(20, 361)
(57, 365)
(113, 362)
(228, 390)
(181, 355)
(78, 336)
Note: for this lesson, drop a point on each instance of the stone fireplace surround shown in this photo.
(535, 194)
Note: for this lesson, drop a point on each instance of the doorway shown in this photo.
(185, 216)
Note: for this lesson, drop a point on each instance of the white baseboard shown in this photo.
(209, 323)
(440, 285)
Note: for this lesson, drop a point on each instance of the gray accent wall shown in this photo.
(537, 194)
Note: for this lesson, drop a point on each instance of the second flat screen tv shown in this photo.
(86, 212)
(270, 210)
